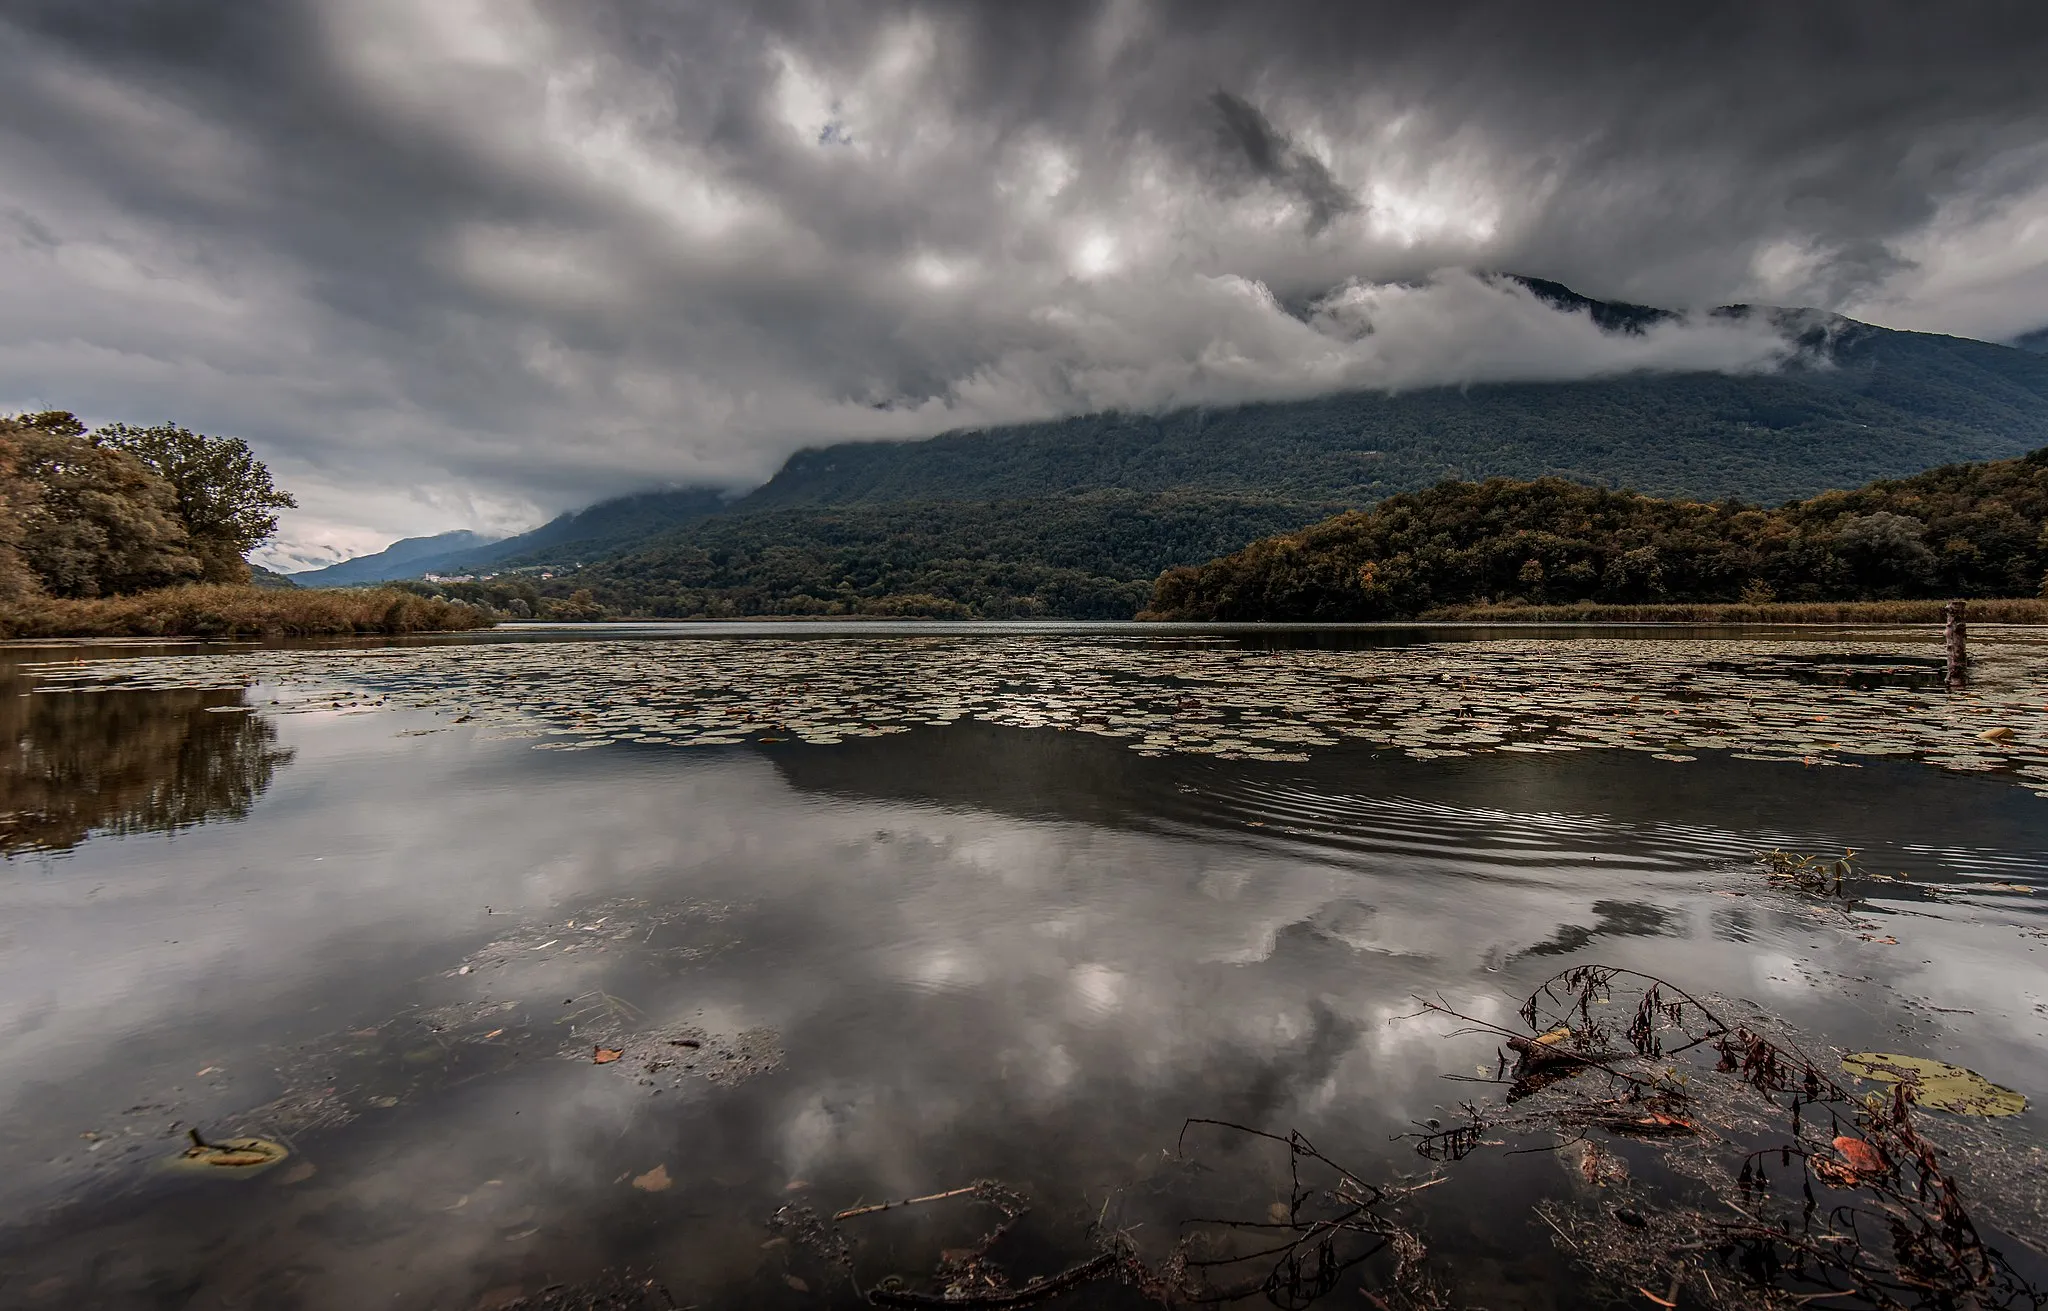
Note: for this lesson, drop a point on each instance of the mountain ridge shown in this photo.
(408, 557)
(831, 526)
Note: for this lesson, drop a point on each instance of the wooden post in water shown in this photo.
(1955, 634)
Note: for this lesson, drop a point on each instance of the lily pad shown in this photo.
(231, 1156)
(1937, 1084)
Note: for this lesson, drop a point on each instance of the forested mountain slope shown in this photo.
(1969, 530)
(1078, 515)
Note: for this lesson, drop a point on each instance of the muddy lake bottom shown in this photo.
(611, 964)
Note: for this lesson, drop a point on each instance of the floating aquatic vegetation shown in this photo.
(230, 1157)
(1937, 1084)
(1815, 874)
(1668, 699)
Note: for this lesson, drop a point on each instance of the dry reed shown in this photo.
(219, 611)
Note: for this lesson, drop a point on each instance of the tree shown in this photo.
(94, 520)
(223, 492)
(17, 495)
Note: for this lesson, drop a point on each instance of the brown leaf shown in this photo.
(1860, 1155)
(798, 1284)
(654, 1181)
(605, 1056)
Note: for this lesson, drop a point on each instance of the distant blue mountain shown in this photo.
(602, 529)
(408, 558)
(2037, 341)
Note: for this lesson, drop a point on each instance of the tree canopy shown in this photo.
(224, 493)
(1966, 530)
(85, 514)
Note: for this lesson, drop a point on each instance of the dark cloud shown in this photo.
(1277, 160)
(464, 262)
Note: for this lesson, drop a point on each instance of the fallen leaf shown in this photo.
(1279, 1213)
(654, 1181)
(492, 1034)
(1937, 1084)
(1999, 734)
(1859, 1155)
(798, 1284)
(606, 1055)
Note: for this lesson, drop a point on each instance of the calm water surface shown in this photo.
(343, 902)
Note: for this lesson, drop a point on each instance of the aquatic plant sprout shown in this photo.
(1871, 693)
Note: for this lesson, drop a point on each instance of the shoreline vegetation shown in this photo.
(2002, 610)
(1976, 532)
(225, 610)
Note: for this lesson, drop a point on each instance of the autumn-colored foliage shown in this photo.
(1966, 530)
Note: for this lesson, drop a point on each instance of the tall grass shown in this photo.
(218, 610)
(2013, 610)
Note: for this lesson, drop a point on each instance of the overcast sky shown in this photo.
(465, 263)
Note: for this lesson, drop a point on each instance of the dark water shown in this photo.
(394, 940)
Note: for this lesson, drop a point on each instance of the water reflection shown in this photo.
(979, 951)
(122, 762)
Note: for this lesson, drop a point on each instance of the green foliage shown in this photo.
(94, 520)
(1088, 556)
(224, 493)
(1972, 530)
(1880, 404)
(17, 497)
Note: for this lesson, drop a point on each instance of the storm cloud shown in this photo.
(463, 263)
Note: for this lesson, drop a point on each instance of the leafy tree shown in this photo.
(17, 496)
(94, 520)
(223, 492)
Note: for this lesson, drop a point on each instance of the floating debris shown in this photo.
(1719, 1094)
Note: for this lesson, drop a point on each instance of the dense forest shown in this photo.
(1966, 530)
(1871, 403)
(1089, 556)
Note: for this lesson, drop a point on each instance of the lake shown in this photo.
(604, 966)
